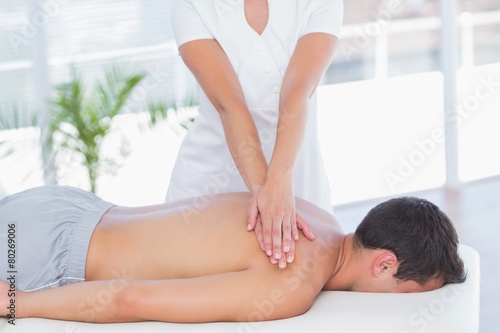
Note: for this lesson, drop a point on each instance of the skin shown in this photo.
(170, 262)
(271, 210)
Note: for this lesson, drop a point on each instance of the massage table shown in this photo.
(451, 309)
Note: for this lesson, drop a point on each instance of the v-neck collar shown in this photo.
(249, 27)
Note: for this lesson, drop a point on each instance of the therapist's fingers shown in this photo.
(253, 214)
(295, 230)
(277, 236)
(255, 223)
(305, 228)
(287, 233)
(267, 233)
(286, 258)
(258, 234)
(290, 256)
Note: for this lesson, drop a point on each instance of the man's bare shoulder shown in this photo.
(315, 215)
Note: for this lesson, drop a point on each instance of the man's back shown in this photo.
(177, 240)
(161, 242)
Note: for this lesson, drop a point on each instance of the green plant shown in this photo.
(81, 118)
(14, 116)
(160, 110)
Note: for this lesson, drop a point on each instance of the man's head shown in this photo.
(411, 245)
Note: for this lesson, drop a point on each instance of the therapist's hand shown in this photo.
(272, 215)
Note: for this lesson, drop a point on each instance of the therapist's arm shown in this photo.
(216, 76)
(275, 200)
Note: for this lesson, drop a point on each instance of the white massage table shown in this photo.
(451, 309)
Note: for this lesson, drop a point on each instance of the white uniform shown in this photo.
(204, 165)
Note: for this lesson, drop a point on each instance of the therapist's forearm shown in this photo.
(290, 133)
(244, 144)
(309, 61)
(215, 74)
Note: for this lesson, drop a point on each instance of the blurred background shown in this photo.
(410, 104)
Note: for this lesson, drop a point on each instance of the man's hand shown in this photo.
(5, 298)
(272, 215)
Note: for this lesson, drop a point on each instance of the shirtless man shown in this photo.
(83, 259)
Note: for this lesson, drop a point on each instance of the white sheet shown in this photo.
(451, 309)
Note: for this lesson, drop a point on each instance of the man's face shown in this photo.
(393, 285)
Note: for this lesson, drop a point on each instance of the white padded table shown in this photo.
(451, 309)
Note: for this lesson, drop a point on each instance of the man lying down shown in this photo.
(80, 258)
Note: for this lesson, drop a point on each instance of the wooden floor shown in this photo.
(475, 211)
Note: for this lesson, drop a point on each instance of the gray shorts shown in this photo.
(45, 235)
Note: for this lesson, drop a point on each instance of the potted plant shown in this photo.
(81, 116)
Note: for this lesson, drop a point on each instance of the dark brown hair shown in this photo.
(420, 235)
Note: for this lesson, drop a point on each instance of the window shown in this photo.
(381, 103)
(86, 34)
(382, 118)
(479, 90)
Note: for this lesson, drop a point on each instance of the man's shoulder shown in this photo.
(314, 214)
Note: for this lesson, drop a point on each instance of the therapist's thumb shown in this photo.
(305, 227)
(253, 213)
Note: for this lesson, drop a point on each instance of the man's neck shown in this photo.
(343, 275)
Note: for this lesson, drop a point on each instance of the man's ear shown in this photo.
(385, 263)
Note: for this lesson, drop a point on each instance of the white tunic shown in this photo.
(204, 165)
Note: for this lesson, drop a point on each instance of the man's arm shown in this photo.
(249, 295)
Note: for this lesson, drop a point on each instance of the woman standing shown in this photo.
(258, 64)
